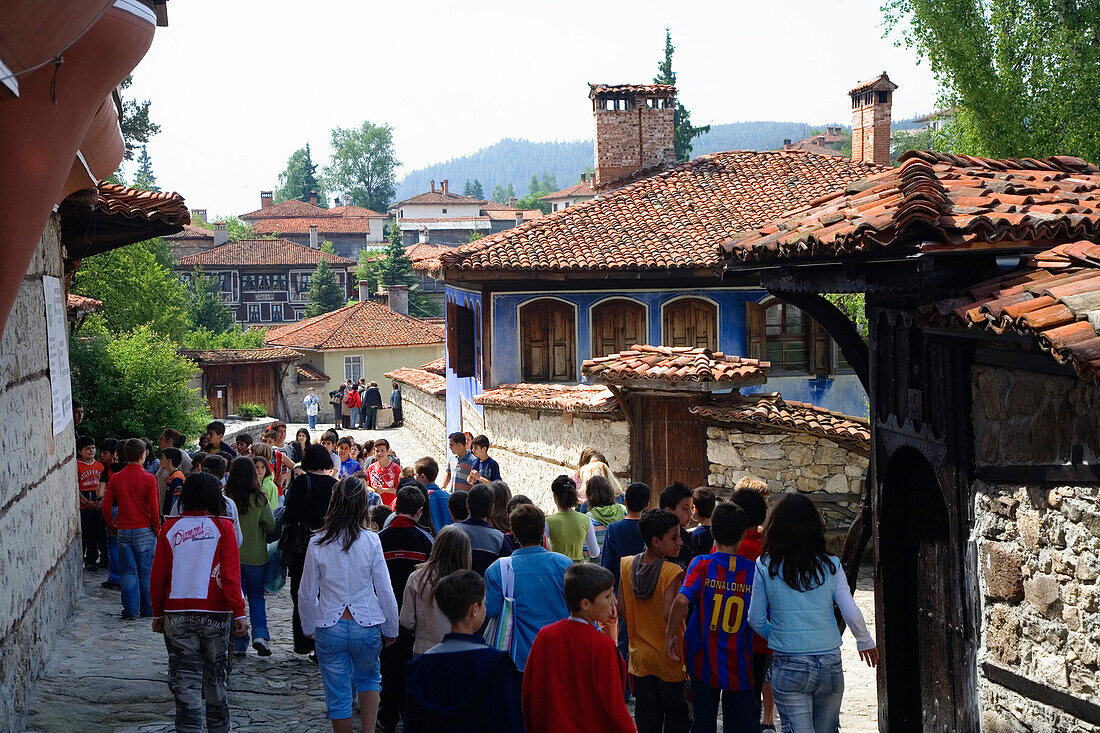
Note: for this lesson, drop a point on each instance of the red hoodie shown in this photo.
(197, 567)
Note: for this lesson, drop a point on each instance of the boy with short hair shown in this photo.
(215, 431)
(717, 645)
(648, 584)
(457, 506)
(426, 471)
(573, 681)
(348, 465)
(328, 440)
(623, 539)
(88, 472)
(170, 460)
(136, 527)
(488, 700)
(486, 541)
(485, 470)
(676, 498)
(384, 474)
(459, 463)
(243, 445)
(703, 500)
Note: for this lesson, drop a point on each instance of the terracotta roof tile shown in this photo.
(1056, 301)
(438, 366)
(325, 226)
(423, 380)
(509, 215)
(674, 219)
(310, 373)
(110, 216)
(438, 197)
(880, 82)
(361, 325)
(582, 188)
(563, 397)
(261, 253)
(772, 409)
(293, 208)
(190, 231)
(79, 304)
(149, 205)
(675, 364)
(937, 201)
(611, 90)
(241, 356)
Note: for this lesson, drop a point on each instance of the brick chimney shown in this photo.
(444, 185)
(433, 185)
(267, 199)
(314, 239)
(634, 128)
(364, 290)
(872, 101)
(422, 236)
(198, 214)
(519, 217)
(221, 233)
(313, 197)
(398, 298)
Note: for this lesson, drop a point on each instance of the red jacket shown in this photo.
(138, 497)
(573, 682)
(750, 549)
(197, 567)
(352, 399)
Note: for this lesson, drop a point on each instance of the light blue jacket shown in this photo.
(802, 622)
(539, 589)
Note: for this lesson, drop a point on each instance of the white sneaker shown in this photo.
(262, 647)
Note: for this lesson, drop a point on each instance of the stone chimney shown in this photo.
(221, 233)
(512, 201)
(314, 239)
(444, 185)
(634, 129)
(267, 199)
(364, 290)
(519, 217)
(422, 237)
(433, 185)
(872, 101)
(398, 298)
(198, 214)
(313, 197)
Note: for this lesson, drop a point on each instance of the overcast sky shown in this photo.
(238, 86)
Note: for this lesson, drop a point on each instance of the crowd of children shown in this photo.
(466, 608)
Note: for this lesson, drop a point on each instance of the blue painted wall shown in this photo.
(459, 387)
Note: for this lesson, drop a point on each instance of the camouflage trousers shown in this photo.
(198, 667)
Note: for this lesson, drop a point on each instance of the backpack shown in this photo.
(351, 399)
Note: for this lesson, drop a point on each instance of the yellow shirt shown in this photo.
(645, 625)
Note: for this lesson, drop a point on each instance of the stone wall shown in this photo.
(40, 559)
(424, 415)
(832, 473)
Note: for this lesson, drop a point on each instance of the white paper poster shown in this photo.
(58, 344)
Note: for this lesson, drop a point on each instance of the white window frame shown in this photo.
(353, 368)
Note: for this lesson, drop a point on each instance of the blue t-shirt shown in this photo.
(349, 467)
(487, 469)
(718, 639)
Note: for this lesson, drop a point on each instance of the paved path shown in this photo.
(106, 674)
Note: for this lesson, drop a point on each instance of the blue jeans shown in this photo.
(737, 709)
(355, 413)
(349, 658)
(808, 689)
(312, 421)
(112, 552)
(252, 581)
(135, 560)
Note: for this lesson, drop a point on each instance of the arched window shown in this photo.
(617, 325)
(691, 322)
(792, 341)
(548, 341)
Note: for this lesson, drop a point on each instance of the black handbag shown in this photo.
(295, 539)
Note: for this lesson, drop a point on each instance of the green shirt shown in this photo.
(271, 491)
(568, 531)
(254, 526)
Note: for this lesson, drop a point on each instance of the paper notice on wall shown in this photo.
(58, 344)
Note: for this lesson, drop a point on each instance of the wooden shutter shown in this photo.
(461, 346)
(817, 347)
(548, 333)
(754, 331)
(691, 322)
(616, 326)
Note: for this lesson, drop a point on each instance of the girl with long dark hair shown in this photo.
(257, 521)
(347, 604)
(498, 516)
(795, 586)
(419, 611)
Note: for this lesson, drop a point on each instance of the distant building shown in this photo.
(829, 142)
(440, 216)
(571, 196)
(935, 120)
(194, 239)
(264, 281)
(349, 228)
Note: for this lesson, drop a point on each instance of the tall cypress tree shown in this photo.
(145, 179)
(684, 132)
(324, 289)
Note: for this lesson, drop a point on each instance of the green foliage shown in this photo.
(235, 228)
(251, 410)
(300, 178)
(902, 140)
(370, 268)
(363, 164)
(854, 305)
(145, 179)
(477, 191)
(237, 337)
(683, 131)
(396, 268)
(325, 294)
(205, 305)
(474, 236)
(502, 194)
(135, 384)
(1022, 75)
(137, 128)
(137, 287)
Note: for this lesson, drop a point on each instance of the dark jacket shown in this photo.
(405, 545)
(373, 398)
(486, 542)
(307, 496)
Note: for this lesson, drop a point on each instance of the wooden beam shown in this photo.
(839, 327)
(622, 403)
(1078, 707)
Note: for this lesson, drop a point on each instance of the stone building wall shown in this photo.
(424, 415)
(40, 558)
(1037, 547)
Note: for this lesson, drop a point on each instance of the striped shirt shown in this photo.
(718, 639)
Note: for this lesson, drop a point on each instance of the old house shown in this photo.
(577, 193)
(231, 377)
(264, 281)
(441, 216)
(349, 228)
(981, 500)
(194, 239)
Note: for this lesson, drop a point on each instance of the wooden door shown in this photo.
(255, 384)
(616, 326)
(691, 322)
(219, 401)
(669, 444)
(548, 335)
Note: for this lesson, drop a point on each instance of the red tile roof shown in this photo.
(1056, 301)
(356, 211)
(583, 188)
(241, 356)
(811, 147)
(293, 208)
(612, 90)
(938, 202)
(110, 216)
(80, 304)
(325, 226)
(675, 364)
(164, 206)
(435, 219)
(563, 397)
(310, 373)
(438, 366)
(438, 197)
(509, 215)
(881, 82)
(425, 381)
(190, 231)
(773, 410)
(362, 325)
(674, 219)
(261, 253)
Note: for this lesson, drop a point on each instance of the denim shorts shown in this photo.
(349, 658)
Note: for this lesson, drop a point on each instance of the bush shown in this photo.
(251, 410)
(237, 337)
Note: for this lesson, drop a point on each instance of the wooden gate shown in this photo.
(668, 443)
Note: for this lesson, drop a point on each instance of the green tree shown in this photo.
(467, 190)
(474, 236)
(363, 163)
(145, 179)
(534, 187)
(477, 191)
(237, 337)
(324, 292)
(136, 383)
(370, 268)
(137, 287)
(548, 183)
(299, 179)
(137, 128)
(501, 194)
(683, 131)
(1022, 75)
(205, 305)
(395, 268)
(235, 228)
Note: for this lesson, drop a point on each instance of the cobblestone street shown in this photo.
(106, 674)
